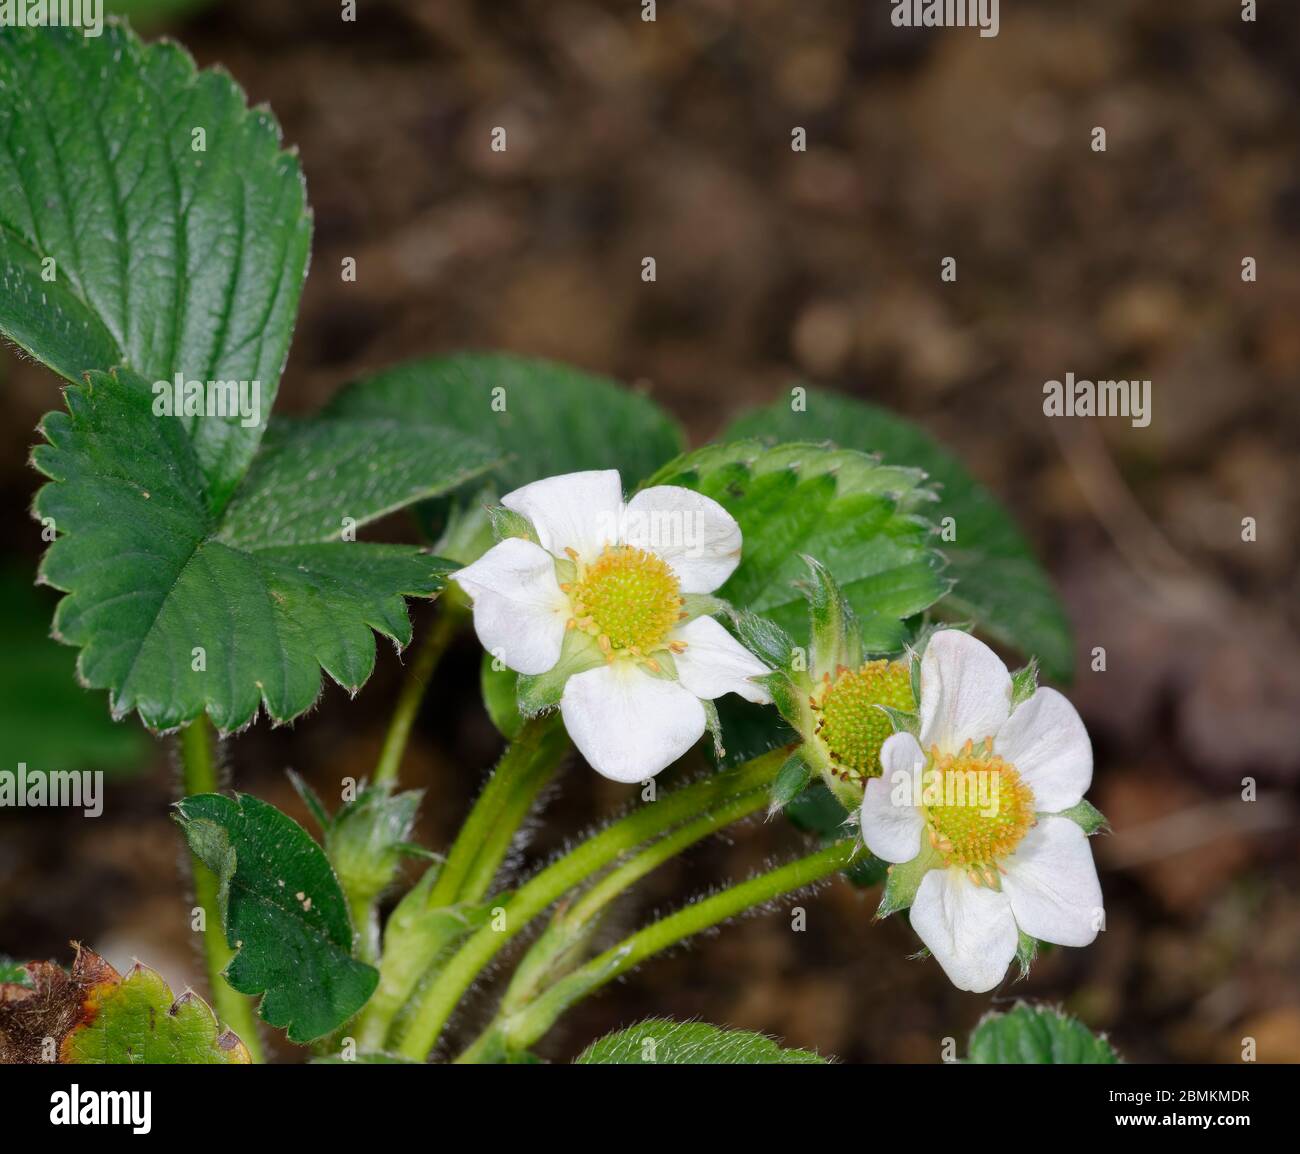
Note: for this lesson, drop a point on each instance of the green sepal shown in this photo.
(702, 605)
(790, 700)
(1024, 683)
(1026, 952)
(1087, 817)
(904, 879)
(791, 780)
(507, 523)
(833, 627)
(903, 720)
(765, 640)
(536, 693)
(715, 729)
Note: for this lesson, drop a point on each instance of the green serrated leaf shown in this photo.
(661, 1042)
(170, 253)
(138, 1020)
(1038, 1035)
(1087, 817)
(46, 719)
(376, 463)
(999, 583)
(171, 616)
(283, 911)
(90, 1015)
(860, 519)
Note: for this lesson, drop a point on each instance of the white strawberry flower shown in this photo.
(975, 808)
(606, 602)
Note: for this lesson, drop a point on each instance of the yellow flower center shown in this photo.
(852, 729)
(628, 599)
(976, 809)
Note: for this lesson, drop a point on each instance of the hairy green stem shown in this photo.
(415, 941)
(446, 622)
(529, 762)
(439, 998)
(528, 1026)
(199, 775)
(571, 925)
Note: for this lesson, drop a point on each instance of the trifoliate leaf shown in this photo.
(999, 582)
(661, 1042)
(1038, 1035)
(172, 616)
(92, 1015)
(154, 221)
(283, 912)
(860, 519)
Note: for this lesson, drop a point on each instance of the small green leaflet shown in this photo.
(865, 522)
(662, 1042)
(154, 222)
(283, 912)
(1038, 1035)
(999, 583)
(172, 614)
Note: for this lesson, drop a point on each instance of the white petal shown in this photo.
(968, 928)
(1052, 883)
(965, 691)
(692, 532)
(891, 823)
(1047, 743)
(579, 511)
(519, 609)
(627, 724)
(714, 663)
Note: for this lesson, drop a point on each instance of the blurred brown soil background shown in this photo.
(672, 140)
